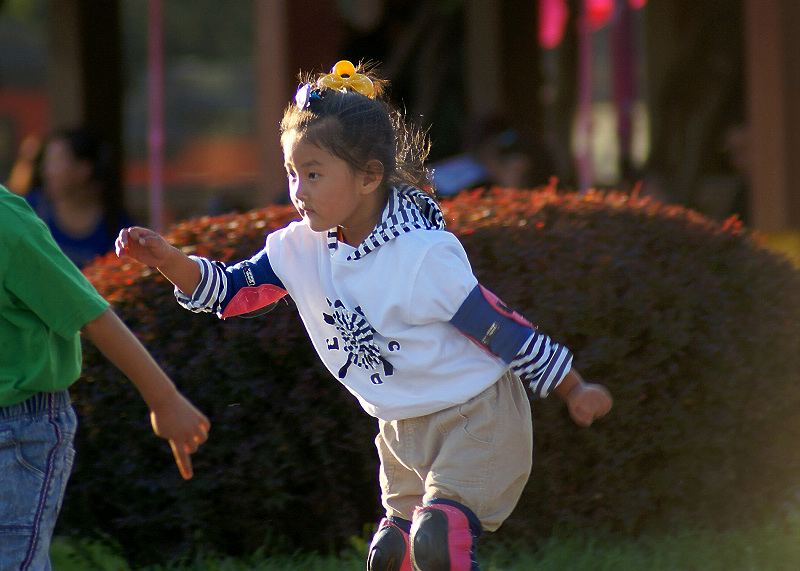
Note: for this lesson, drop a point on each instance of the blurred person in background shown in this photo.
(496, 154)
(74, 199)
(24, 174)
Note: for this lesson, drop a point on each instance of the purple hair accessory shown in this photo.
(304, 95)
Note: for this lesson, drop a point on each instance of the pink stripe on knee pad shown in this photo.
(441, 539)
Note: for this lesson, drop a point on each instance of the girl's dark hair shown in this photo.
(359, 129)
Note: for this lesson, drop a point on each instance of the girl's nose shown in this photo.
(299, 191)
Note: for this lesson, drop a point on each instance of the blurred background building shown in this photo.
(696, 101)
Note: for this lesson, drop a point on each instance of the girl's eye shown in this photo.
(313, 176)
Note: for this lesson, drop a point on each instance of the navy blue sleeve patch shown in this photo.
(492, 325)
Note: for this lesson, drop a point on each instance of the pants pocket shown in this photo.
(36, 457)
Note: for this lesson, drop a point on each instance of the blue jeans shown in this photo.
(36, 455)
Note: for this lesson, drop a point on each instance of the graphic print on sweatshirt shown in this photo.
(358, 340)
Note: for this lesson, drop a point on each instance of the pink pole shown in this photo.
(623, 82)
(585, 82)
(155, 127)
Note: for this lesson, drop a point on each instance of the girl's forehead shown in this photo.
(300, 150)
(293, 144)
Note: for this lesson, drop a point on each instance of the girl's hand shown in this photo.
(147, 247)
(143, 245)
(587, 402)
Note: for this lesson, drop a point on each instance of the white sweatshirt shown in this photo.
(378, 316)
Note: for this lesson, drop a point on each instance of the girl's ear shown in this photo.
(372, 177)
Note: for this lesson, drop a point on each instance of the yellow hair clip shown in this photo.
(344, 76)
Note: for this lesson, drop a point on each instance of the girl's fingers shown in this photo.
(121, 243)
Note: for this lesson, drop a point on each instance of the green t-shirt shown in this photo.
(44, 302)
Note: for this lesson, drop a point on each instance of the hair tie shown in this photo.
(344, 76)
(305, 93)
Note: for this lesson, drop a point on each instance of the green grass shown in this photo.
(767, 548)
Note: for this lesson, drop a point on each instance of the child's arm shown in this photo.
(534, 358)
(149, 248)
(585, 401)
(173, 417)
(246, 289)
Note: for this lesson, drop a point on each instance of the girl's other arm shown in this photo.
(533, 357)
(173, 417)
(149, 248)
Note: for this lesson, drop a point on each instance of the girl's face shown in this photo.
(328, 193)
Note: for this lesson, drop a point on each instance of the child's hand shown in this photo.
(587, 402)
(185, 427)
(143, 245)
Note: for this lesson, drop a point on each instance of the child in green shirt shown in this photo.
(45, 302)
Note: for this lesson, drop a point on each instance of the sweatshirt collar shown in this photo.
(407, 209)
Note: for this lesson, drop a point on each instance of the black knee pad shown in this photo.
(442, 539)
(389, 550)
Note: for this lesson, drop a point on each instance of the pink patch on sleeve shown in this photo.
(503, 309)
(249, 299)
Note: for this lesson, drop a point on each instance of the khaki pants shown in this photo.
(478, 454)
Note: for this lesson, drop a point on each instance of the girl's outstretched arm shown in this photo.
(173, 417)
(149, 248)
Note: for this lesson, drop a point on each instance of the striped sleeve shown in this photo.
(542, 364)
(209, 295)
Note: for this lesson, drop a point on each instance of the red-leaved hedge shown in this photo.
(693, 325)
